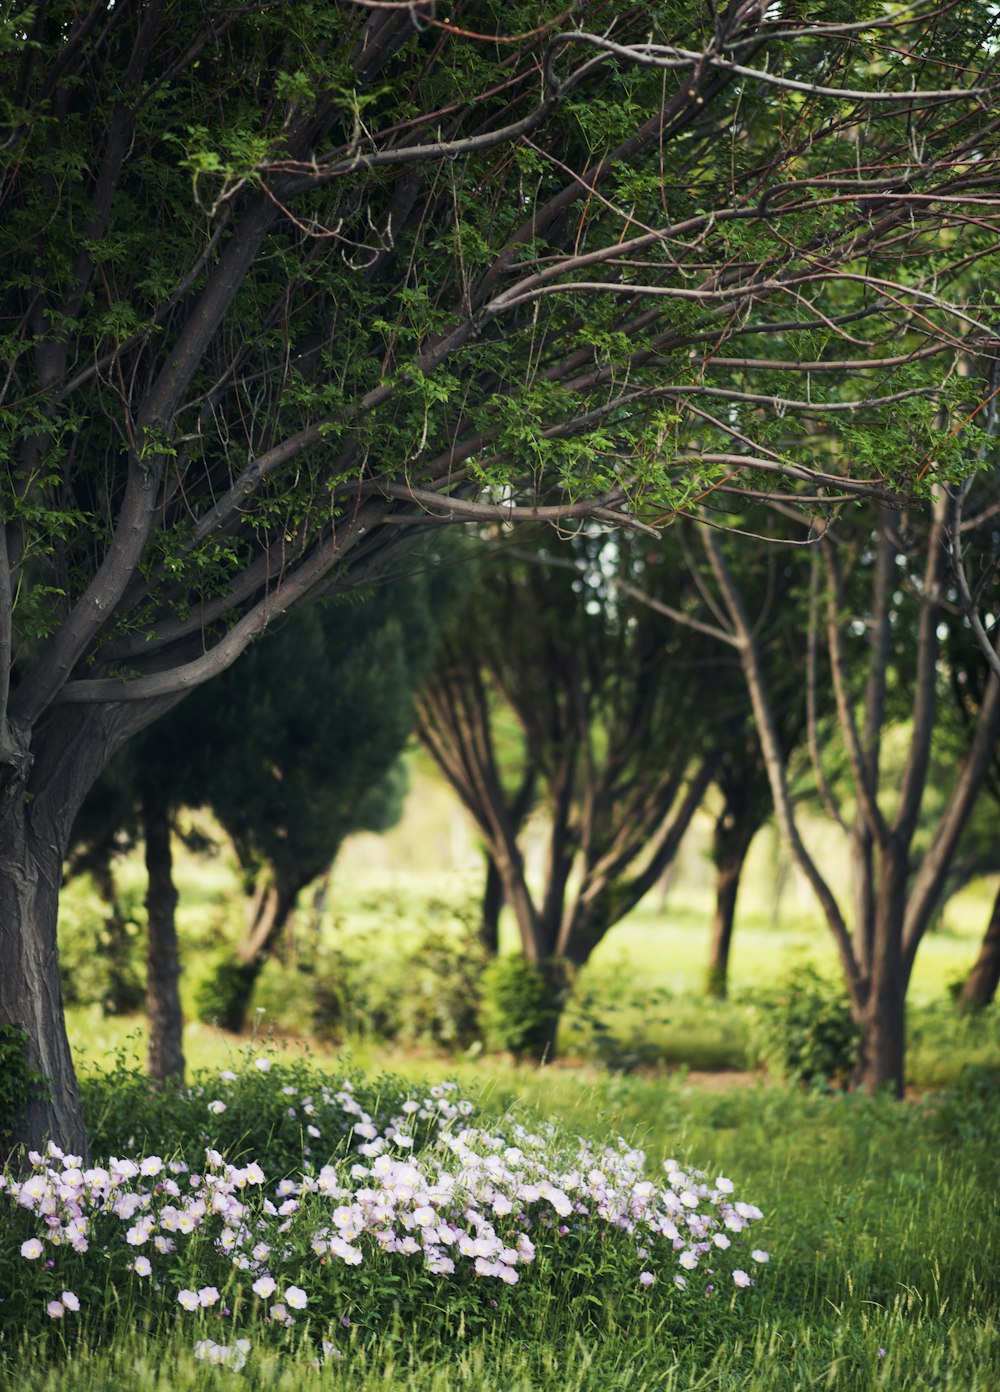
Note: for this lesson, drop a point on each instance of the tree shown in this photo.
(306, 737)
(284, 286)
(894, 897)
(292, 752)
(622, 715)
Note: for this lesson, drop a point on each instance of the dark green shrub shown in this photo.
(444, 986)
(521, 1004)
(223, 996)
(353, 997)
(275, 1109)
(805, 1031)
(19, 1083)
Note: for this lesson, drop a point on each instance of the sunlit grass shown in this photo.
(881, 1219)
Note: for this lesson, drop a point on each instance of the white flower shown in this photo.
(54, 1310)
(188, 1299)
(724, 1186)
(646, 1278)
(208, 1295)
(296, 1297)
(142, 1266)
(262, 1065)
(760, 1256)
(71, 1301)
(688, 1259)
(217, 1107)
(32, 1249)
(264, 1286)
(740, 1278)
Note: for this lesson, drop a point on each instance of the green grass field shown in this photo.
(881, 1217)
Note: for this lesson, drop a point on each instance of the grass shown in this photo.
(881, 1219)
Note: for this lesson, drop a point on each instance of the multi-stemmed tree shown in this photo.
(285, 285)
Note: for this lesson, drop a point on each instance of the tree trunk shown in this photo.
(493, 896)
(556, 972)
(882, 1048)
(269, 913)
(981, 983)
(730, 853)
(163, 1001)
(30, 995)
(880, 1006)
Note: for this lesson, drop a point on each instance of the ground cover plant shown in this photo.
(410, 1210)
(881, 1222)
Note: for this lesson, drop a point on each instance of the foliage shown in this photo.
(222, 993)
(269, 313)
(412, 975)
(391, 1201)
(805, 1029)
(522, 1001)
(19, 1082)
(100, 952)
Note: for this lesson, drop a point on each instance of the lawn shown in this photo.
(880, 1218)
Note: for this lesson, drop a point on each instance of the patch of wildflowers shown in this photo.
(467, 1205)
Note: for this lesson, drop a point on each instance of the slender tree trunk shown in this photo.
(163, 1001)
(123, 992)
(981, 984)
(270, 912)
(30, 995)
(882, 1049)
(493, 896)
(731, 847)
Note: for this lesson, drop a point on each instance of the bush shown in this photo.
(805, 1031)
(387, 1204)
(19, 1083)
(444, 985)
(223, 996)
(100, 953)
(522, 1002)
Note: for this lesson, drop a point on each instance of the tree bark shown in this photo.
(489, 929)
(268, 914)
(730, 856)
(882, 1048)
(163, 1001)
(30, 994)
(981, 984)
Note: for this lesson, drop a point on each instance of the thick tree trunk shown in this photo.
(556, 973)
(30, 995)
(882, 1048)
(981, 984)
(880, 1008)
(163, 969)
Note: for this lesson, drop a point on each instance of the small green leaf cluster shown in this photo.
(19, 1082)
